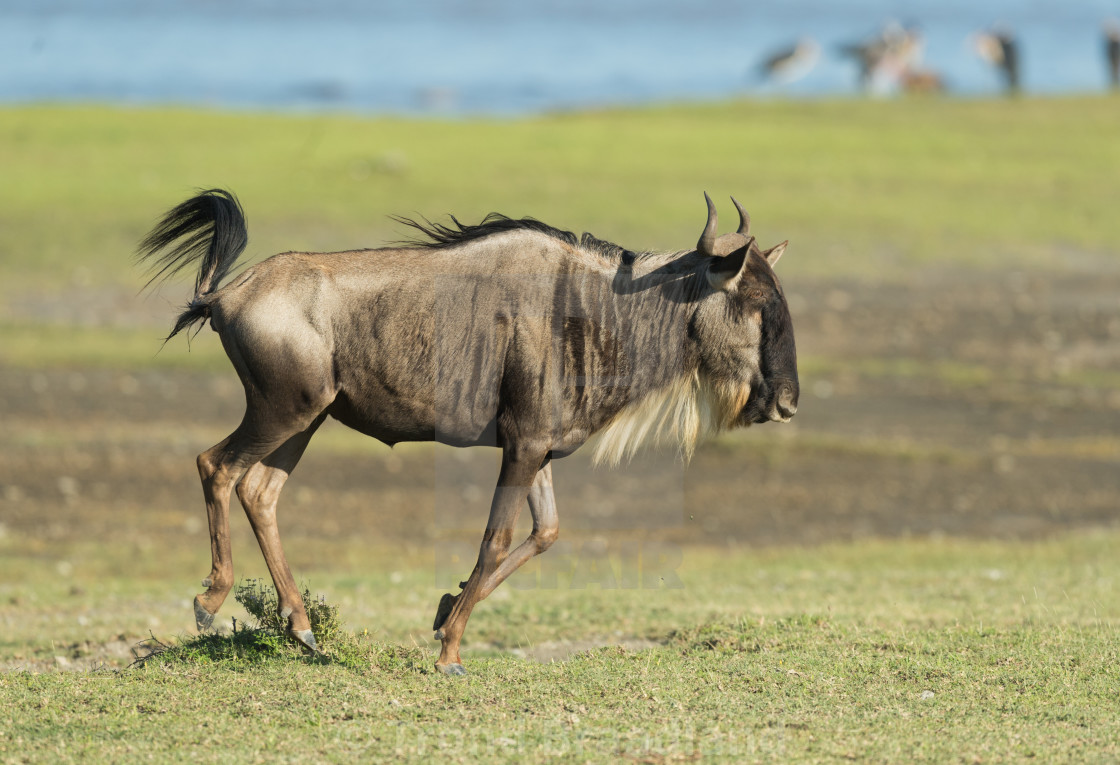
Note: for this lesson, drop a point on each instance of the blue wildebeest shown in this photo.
(509, 333)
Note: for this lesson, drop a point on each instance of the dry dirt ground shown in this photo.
(957, 403)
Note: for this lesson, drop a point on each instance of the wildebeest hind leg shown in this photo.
(259, 491)
(220, 467)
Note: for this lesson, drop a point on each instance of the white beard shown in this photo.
(680, 414)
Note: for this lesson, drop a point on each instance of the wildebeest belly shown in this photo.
(414, 376)
(429, 407)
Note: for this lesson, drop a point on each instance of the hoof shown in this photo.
(305, 638)
(446, 603)
(203, 619)
(451, 669)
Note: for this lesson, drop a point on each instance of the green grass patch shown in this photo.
(260, 601)
(31, 345)
(858, 186)
(950, 373)
(264, 639)
(243, 646)
(909, 650)
(797, 690)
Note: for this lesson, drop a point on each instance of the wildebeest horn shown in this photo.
(744, 218)
(707, 243)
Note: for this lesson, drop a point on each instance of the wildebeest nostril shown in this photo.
(787, 404)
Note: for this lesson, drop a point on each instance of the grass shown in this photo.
(863, 187)
(260, 601)
(921, 650)
(802, 691)
(54, 345)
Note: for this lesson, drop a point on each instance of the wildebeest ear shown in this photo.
(775, 252)
(723, 273)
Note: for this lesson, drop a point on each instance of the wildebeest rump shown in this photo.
(508, 333)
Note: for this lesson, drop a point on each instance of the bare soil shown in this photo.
(983, 404)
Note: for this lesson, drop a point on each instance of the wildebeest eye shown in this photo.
(756, 293)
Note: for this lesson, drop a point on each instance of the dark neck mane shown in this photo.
(437, 236)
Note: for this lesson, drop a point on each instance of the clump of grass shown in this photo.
(241, 646)
(743, 635)
(734, 637)
(250, 647)
(266, 639)
(259, 600)
(385, 657)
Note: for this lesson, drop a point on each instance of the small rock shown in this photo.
(927, 695)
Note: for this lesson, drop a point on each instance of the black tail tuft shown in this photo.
(210, 229)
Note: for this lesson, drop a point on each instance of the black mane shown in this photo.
(608, 250)
(437, 236)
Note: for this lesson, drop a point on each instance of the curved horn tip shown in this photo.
(744, 218)
(706, 245)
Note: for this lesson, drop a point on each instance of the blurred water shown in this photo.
(503, 56)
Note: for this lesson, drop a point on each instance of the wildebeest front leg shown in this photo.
(517, 476)
(546, 527)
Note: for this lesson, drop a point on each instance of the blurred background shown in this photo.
(947, 174)
(507, 57)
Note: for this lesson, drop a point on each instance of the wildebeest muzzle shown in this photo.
(771, 402)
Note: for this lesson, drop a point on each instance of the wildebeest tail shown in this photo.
(208, 228)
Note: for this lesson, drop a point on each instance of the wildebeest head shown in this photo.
(745, 333)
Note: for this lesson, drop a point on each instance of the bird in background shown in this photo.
(1112, 52)
(792, 62)
(885, 59)
(1000, 49)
